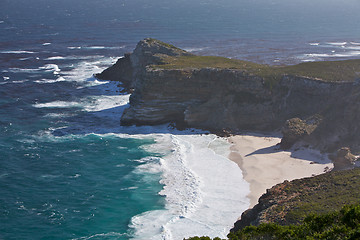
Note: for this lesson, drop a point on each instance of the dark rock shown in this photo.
(128, 68)
(149, 52)
(344, 159)
(121, 71)
(296, 129)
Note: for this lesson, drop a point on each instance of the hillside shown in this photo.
(290, 202)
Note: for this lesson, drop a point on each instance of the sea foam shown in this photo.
(337, 43)
(43, 81)
(55, 58)
(195, 49)
(205, 192)
(331, 55)
(51, 67)
(18, 52)
(95, 47)
(57, 104)
(89, 104)
(83, 71)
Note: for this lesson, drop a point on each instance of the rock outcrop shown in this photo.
(236, 99)
(344, 159)
(296, 129)
(133, 65)
(290, 202)
(121, 71)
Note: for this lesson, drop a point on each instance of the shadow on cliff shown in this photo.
(301, 153)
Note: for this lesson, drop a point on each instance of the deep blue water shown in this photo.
(67, 172)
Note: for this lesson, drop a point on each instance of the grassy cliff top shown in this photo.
(334, 71)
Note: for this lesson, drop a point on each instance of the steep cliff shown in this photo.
(214, 93)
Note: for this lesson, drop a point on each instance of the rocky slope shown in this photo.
(169, 86)
(290, 202)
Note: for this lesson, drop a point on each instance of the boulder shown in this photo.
(296, 129)
(344, 159)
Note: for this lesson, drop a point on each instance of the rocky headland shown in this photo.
(214, 93)
(314, 104)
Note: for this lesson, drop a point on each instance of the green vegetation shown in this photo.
(333, 71)
(194, 61)
(343, 224)
(318, 194)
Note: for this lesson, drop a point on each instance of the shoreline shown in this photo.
(204, 191)
(264, 165)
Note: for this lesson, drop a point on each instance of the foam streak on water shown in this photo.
(331, 50)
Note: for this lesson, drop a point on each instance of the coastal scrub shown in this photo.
(332, 71)
(343, 224)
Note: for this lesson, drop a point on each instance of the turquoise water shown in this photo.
(74, 186)
(68, 186)
(68, 170)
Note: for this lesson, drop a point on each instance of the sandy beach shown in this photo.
(264, 165)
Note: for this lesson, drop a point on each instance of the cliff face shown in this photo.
(204, 98)
(220, 98)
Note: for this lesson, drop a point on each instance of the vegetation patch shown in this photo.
(334, 71)
(343, 224)
(319, 194)
(194, 61)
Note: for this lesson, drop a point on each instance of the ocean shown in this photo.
(68, 170)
